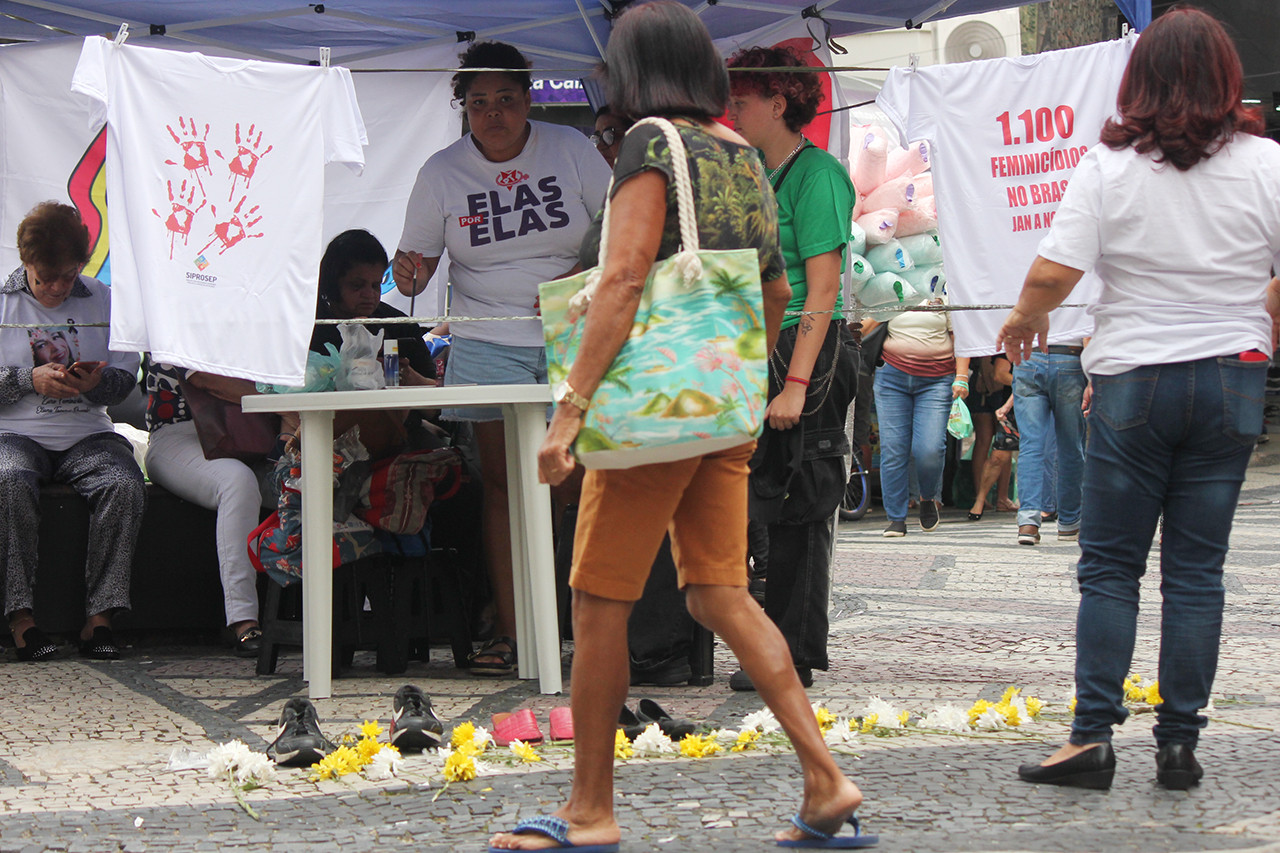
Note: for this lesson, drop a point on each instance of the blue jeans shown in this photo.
(1171, 439)
(1047, 390)
(913, 414)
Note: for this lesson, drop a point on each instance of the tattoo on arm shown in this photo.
(806, 325)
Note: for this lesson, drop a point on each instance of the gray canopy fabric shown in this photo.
(367, 33)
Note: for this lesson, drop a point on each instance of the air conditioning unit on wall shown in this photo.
(974, 37)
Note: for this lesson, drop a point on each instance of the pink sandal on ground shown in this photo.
(521, 725)
(562, 723)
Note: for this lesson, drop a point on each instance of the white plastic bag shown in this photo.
(360, 369)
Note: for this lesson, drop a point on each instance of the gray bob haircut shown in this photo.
(660, 62)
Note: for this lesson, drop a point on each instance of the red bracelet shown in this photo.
(804, 382)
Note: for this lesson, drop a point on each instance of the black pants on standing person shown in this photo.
(797, 480)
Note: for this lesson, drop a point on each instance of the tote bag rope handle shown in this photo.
(687, 261)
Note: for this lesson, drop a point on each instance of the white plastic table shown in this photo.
(524, 409)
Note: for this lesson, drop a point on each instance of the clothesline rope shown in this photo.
(855, 313)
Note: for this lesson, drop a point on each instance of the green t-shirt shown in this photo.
(815, 209)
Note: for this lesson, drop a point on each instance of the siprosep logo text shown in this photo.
(202, 280)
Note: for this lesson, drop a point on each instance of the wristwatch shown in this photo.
(564, 393)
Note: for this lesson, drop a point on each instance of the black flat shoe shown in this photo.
(650, 711)
(248, 642)
(101, 645)
(1094, 768)
(38, 647)
(630, 724)
(1176, 767)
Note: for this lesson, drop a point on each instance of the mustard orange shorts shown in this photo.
(623, 515)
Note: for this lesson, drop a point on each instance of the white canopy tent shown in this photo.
(369, 33)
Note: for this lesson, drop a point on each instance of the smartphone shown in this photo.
(84, 367)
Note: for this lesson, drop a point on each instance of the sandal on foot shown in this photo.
(38, 647)
(248, 642)
(101, 645)
(506, 663)
(823, 839)
(521, 725)
(557, 829)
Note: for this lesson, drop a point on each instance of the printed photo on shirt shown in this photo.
(54, 346)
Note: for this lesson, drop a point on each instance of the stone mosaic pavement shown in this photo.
(951, 616)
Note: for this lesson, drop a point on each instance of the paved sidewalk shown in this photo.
(946, 617)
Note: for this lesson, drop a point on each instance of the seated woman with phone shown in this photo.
(56, 381)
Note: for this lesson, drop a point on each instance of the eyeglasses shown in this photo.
(606, 137)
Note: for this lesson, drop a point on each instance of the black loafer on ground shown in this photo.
(414, 724)
(1176, 767)
(1094, 768)
(101, 645)
(630, 724)
(37, 646)
(650, 711)
(299, 742)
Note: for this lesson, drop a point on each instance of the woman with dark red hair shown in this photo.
(813, 371)
(1178, 211)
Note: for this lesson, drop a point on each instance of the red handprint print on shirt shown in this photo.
(234, 229)
(245, 163)
(182, 214)
(195, 151)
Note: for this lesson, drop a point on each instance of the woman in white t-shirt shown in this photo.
(511, 202)
(1178, 211)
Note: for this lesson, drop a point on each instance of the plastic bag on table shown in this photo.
(319, 376)
(359, 369)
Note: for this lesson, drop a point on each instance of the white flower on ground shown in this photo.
(482, 739)
(763, 720)
(723, 735)
(243, 765)
(949, 718)
(990, 719)
(840, 733)
(385, 764)
(887, 716)
(653, 742)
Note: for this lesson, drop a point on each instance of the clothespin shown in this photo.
(913, 61)
(324, 57)
(122, 34)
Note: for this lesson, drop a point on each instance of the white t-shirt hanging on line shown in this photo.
(1006, 135)
(1184, 257)
(215, 176)
(508, 226)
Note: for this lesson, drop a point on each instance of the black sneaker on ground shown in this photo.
(414, 724)
(299, 742)
(929, 515)
(896, 528)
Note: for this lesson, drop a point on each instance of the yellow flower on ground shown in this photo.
(622, 745)
(1010, 693)
(1133, 688)
(698, 746)
(826, 719)
(746, 739)
(903, 717)
(1071, 706)
(462, 733)
(460, 766)
(1009, 711)
(1034, 707)
(869, 722)
(370, 729)
(524, 751)
(367, 748)
(340, 762)
(977, 709)
(1151, 693)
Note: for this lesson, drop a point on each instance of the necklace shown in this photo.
(773, 173)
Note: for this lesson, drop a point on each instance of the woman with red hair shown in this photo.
(813, 371)
(1178, 211)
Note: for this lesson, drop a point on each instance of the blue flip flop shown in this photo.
(557, 829)
(823, 839)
